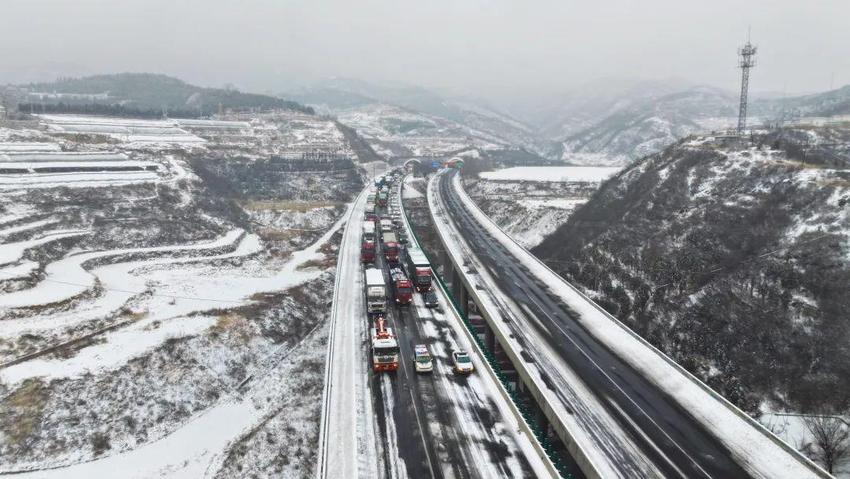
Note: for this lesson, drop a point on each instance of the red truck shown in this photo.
(367, 252)
(402, 287)
(391, 249)
(384, 347)
(419, 268)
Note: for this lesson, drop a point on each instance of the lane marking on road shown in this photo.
(649, 441)
(416, 413)
(474, 225)
(625, 394)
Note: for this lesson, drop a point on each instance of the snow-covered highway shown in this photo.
(622, 408)
(405, 424)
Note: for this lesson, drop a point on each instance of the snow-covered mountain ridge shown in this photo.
(735, 260)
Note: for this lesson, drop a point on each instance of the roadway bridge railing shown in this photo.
(525, 416)
(759, 450)
(528, 379)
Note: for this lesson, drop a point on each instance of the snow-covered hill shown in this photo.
(530, 203)
(733, 260)
(163, 292)
(640, 124)
(394, 131)
(472, 121)
(645, 126)
(579, 108)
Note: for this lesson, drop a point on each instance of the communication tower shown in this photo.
(746, 60)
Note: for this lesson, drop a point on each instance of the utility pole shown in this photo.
(746, 60)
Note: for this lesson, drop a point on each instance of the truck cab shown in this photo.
(391, 250)
(384, 347)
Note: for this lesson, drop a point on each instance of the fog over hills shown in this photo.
(610, 122)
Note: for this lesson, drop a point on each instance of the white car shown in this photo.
(462, 363)
(422, 361)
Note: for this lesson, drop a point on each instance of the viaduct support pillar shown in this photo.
(446, 263)
(464, 299)
(489, 339)
(457, 286)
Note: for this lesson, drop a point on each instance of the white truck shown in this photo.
(369, 231)
(376, 292)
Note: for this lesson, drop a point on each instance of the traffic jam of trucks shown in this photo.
(408, 272)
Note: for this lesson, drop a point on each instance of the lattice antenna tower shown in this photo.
(746, 60)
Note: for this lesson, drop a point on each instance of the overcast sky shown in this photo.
(469, 46)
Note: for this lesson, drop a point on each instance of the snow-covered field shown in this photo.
(28, 146)
(393, 131)
(129, 130)
(150, 325)
(530, 203)
(552, 173)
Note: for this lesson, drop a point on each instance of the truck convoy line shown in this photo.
(419, 415)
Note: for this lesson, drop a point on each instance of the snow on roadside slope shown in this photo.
(198, 447)
(67, 278)
(178, 292)
(530, 210)
(410, 191)
(12, 252)
(26, 226)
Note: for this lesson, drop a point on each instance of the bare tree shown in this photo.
(830, 439)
